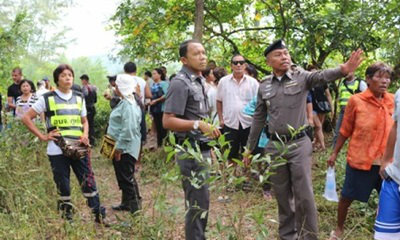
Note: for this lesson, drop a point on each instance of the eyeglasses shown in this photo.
(238, 62)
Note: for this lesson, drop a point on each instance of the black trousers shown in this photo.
(124, 171)
(161, 132)
(197, 198)
(238, 140)
(61, 167)
(91, 112)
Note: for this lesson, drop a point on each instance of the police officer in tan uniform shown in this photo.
(186, 107)
(282, 96)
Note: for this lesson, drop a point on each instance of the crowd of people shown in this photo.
(201, 102)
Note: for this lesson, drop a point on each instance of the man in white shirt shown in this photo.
(387, 222)
(144, 92)
(234, 92)
(41, 88)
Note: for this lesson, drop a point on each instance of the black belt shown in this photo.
(203, 145)
(287, 137)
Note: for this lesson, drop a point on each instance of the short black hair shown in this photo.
(85, 77)
(61, 69)
(31, 84)
(112, 78)
(183, 47)
(130, 67)
(148, 73)
(206, 72)
(219, 72)
(160, 71)
(237, 54)
(252, 71)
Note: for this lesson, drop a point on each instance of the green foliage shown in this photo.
(28, 198)
(93, 68)
(315, 31)
(103, 110)
(27, 192)
(30, 32)
(13, 40)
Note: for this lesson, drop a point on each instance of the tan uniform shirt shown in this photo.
(284, 101)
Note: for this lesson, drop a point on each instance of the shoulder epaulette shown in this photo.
(267, 78)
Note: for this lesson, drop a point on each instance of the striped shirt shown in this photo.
(22, 106)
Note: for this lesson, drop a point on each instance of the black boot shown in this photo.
(100, 217)
(135, 205)
(66, 209)
(120, 207)
(124, 206)
(135, 202)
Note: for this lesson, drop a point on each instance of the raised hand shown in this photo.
(352, 63)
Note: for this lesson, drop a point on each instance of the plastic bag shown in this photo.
(330, 186)
(263, 141)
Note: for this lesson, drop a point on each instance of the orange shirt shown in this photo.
(367, 121)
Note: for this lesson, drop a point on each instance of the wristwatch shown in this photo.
(196, 124)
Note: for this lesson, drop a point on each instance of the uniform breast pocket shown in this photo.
(293, 96)
(198, 98)
(268, 98)
(266, 95)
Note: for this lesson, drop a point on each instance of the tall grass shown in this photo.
(28, 200)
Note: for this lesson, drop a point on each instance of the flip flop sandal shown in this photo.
(333, 236)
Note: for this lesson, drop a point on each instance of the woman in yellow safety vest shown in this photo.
(65, 117)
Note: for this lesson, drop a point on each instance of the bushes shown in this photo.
(101, 118)
(25, 185)
(28, 194)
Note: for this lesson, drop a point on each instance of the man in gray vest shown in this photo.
(185, 108)
(282, 96)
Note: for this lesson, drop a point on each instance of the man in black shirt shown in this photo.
(13, 90)
(89, 91)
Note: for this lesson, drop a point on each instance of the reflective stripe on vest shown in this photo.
(344, 94)
(65, 115)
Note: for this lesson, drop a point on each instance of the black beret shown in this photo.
(278, 44)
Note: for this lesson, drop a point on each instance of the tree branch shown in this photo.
(235, 48)
(283, 19)
(221, 27)
(199, 20)
(250, 29)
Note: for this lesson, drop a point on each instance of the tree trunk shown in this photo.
(199, 20)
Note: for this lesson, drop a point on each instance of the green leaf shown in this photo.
(203, 214)
(238, 162)
(171, 138)
(168, 149)
(170, 155)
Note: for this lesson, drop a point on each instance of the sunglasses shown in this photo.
(238, 62)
